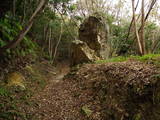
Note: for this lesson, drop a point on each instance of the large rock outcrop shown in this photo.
(93, 35)
(94, 32)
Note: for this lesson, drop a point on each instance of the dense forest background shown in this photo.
(42, 43)
(56, 25)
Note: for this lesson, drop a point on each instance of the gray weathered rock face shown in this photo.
(80, 53)
(92, 43)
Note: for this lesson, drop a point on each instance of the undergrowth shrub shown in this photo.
(9, 29)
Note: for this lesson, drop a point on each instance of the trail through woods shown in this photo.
(56, 101)
(93, 91)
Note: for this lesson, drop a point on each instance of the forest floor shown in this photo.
(53, 100)
(57, 101)
(91, 92)
(81, 94)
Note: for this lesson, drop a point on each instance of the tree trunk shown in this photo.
(146, 17)
(56, 48)
(25, 30)
(142, 29)
(150, 9)
(130, 26)
(136, 31)
(24, 12)
(50, 43)
(14, 8)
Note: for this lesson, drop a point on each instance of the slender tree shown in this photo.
(142, 29)
(14, 7)
(59, 40)
(130, 26)
(140, 37)
(136, 31)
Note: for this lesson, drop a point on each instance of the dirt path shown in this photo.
(56, 101)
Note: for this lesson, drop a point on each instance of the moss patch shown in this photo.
(16, 79)
(149, 57)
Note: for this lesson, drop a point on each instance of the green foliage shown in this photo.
(50, 20)
(12, 97)
(118, 42)
(3, 91)
(121, 45)
(7, 115)
(151, 35)
(86, 111)
(115, 59)
(72, 7)
(9, 28)
(144, 58)
(7, 31)
(137, 117)
(151, 26)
